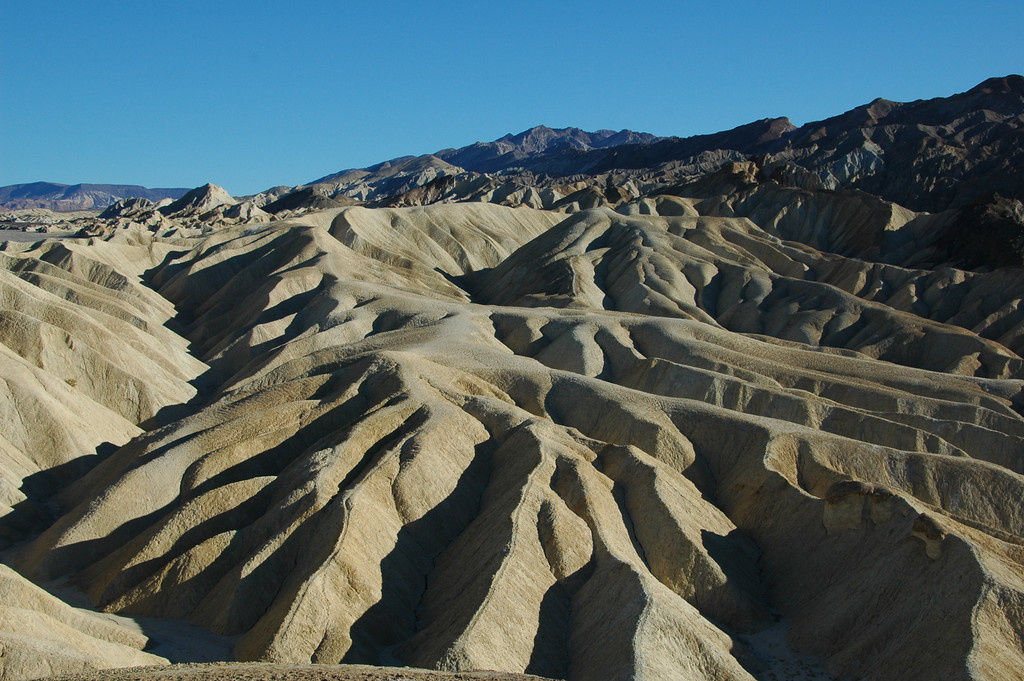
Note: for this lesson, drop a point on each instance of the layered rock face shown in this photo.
(614, 444)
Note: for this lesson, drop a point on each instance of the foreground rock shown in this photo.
(85, 361)
(42, 636)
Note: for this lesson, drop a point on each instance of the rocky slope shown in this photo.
(926, 155)
(737, 426)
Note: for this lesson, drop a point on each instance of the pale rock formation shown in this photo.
(199, 201)
(87, 358)
(42, 636)
(605, 445)
(126, 208)
(246, 212)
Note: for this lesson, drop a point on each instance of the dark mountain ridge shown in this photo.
(541, 141)
(927, 155)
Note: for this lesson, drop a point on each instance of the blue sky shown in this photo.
(253, 94)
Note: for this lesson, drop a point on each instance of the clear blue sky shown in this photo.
(254, 94)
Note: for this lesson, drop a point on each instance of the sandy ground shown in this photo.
(285, 672)
(782, 663)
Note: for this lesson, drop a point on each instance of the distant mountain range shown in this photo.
(65, 197)
(541, 142)
(927, 155)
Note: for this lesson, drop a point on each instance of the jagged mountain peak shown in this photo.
(542, 138)
(531, 145)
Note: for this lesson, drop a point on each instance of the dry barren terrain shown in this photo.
(740, 425)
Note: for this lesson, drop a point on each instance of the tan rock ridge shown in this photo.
(87, 360)
(42, 636)
(631, 444)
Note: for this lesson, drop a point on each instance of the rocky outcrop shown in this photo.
(127, 208)
(199, 201)
(304, 200)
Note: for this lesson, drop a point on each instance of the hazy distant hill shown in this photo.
(63, 197)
